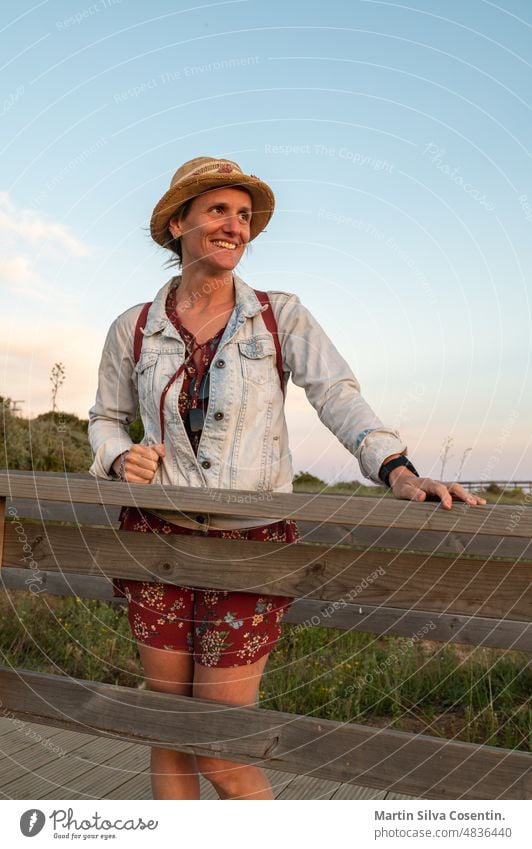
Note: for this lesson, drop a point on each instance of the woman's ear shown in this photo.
(175, 227)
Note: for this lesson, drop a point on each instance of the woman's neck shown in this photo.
(200, 291)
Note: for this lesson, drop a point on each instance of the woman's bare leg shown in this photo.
(236, 686)
(174, 775)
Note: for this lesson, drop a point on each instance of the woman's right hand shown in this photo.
(141, 462)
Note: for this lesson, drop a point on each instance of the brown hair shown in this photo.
(174, 242)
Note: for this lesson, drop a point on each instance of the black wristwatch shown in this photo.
(386, 468)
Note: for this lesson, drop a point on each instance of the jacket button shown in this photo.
(200, 519)
(206, 464)
(218, 416)
(220, 363)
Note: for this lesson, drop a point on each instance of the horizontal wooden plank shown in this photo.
(336, 509)
(348, 753)
(458, 585)
(359, 535)
(447, 627)
(405, 539)
(393, 621)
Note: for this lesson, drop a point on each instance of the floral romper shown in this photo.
(219, 628)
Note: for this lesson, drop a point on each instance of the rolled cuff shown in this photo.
(107, 454)
(375, 447)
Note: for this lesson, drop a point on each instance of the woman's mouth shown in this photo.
(220, 243)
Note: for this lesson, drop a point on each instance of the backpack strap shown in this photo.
(139, 327)
(271, 325)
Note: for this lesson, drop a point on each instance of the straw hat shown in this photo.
(205, 173)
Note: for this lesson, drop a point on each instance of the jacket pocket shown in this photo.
(145, 371)
(257, 356)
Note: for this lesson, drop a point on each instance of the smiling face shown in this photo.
(215, 229)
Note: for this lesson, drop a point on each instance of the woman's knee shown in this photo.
(227, 776)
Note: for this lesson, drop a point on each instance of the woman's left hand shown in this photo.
(406, 485)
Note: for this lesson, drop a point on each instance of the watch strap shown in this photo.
(386, 468)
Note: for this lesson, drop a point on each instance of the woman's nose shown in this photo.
(231, 224)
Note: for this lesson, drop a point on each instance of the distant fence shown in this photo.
(466, 571)
(504, 486)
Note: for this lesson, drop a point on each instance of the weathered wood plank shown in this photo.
(405, 539)
(395, 538)
(56, 583)
(347, 753)
(351, 791)
(445, 627)
(17, 741)
(335, 509)
(95, 776)
(53, 776)
(138, 787)
(25, 762)
(306, 787)
(99, 782)
(404, 580)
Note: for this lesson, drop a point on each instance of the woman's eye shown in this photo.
(245, 216)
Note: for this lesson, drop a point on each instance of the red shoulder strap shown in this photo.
(139, 327)
(271, 325)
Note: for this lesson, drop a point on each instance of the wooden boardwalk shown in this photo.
(90, 767)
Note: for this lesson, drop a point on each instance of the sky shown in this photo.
(397, 141)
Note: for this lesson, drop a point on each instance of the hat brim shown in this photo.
(263, 201)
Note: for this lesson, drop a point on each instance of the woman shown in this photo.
(208, 373)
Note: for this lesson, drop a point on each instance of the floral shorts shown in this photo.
(219, 628)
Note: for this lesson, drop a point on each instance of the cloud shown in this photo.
(33, 228)
(32, 247)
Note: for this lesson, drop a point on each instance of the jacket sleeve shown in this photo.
(116, 399)
(331, 387)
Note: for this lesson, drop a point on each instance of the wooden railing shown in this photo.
(504, 486)
(465, 571)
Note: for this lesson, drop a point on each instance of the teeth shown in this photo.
(229, 245)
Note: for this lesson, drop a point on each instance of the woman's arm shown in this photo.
(331, 387)
(334, 392)
(116, 399)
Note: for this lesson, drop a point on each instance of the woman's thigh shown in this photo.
(234, 685)
(167, 671)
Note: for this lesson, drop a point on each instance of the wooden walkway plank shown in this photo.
(55, 774)
(398, 796)
(25, 763)
(17, 742)
(112, 770)
(351, 791)
(10, 728)
(138, 787)
(307, 787)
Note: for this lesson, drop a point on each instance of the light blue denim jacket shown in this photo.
(246, 447)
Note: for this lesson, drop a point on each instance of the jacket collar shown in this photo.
(247, 305)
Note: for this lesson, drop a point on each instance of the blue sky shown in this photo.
(397, 141)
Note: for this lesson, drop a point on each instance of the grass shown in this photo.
(472, 694)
